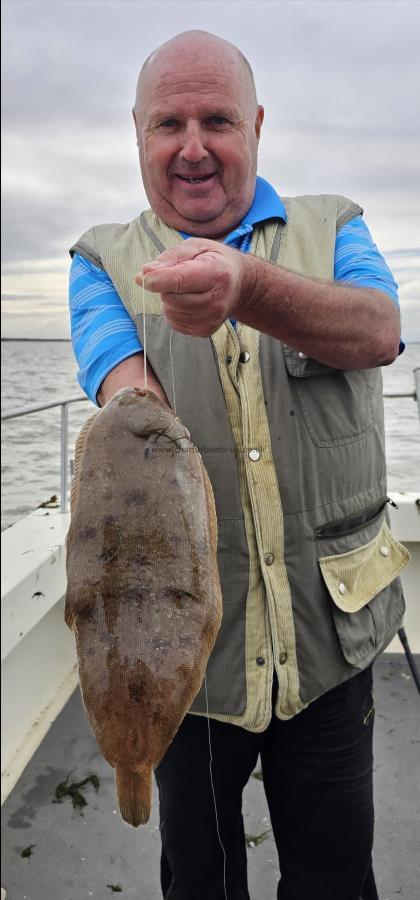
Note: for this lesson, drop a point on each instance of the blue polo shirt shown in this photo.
(104, 334)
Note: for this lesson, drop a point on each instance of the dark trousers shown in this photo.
(317, 774)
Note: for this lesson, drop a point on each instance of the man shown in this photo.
(271, 357)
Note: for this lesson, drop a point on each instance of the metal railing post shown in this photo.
(64, 439)
(416, 373)
(64, 434)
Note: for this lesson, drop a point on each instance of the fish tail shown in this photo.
(134, 790)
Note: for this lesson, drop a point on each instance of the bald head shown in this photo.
(194, 47)
(198, 127)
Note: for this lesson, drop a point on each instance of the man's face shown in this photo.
(198, 128)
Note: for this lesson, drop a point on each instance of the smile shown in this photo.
(199, 179)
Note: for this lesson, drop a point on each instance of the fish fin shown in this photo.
(78, 453)
(134, 790)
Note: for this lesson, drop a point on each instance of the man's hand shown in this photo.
(201, 283)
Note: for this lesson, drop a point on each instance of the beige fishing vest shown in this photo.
(295, 453)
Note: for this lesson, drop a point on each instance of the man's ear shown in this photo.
(135, 125)
(258, 121)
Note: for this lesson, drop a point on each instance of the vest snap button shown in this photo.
(254, 455)
(283, 658)
(384, 551)
(269, 559)
(342, 588)
(302, 355)
(260, 661)
(244, 356)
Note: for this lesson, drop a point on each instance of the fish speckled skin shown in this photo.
(143, 596)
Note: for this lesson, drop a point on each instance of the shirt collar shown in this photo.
(265, 205)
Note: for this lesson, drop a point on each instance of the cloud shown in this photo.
(338, 81)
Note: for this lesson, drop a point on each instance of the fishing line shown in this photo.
(172, 369)
(213, 791)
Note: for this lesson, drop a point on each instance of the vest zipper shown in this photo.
(351, 524)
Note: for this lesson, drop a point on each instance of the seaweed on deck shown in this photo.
(74, 790)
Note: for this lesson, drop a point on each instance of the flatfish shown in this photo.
(143, 596)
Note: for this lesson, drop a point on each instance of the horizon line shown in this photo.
(35, 339)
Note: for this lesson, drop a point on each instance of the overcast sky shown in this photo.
(339, 81)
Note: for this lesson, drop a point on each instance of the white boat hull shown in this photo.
(38, 661)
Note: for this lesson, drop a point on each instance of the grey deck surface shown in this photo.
(77, 853)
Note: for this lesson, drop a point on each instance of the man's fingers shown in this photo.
(183, 251)
(187, 323)
(189, 305)
(194, 250)
(192, 276)
(198, 283)
(192, 314)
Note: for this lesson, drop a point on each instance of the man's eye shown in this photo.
(169, 123)
(217, 120)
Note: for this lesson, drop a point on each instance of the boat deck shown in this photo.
(52, 851)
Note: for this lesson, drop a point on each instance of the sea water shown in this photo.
(36, 372)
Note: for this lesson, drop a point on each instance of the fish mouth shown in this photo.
(171, 439)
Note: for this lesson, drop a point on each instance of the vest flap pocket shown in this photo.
(356, 577)
(337, 408)
(301, 366)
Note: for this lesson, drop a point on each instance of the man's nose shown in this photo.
(193, 149)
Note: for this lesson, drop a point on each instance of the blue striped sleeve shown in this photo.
(102, 331)
(104, 334)
(357, 260)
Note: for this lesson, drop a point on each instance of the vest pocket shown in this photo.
(351, 524)
(367, 598)
(301, 366)
(336, 405)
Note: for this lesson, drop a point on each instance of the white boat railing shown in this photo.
(64, 436)
(64, 429)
